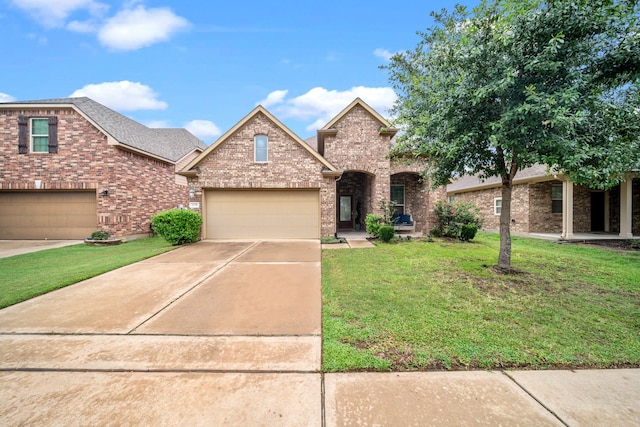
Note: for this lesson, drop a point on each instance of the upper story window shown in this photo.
(39, 135)
(261, 146)
(397, 195)
(556, 198)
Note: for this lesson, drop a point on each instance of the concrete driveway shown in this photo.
(209, 334)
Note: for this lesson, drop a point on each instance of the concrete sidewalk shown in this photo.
(228, 333)
(18, 247)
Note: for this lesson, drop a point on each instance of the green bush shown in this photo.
(373, 223)
(451, 218)
(386, 233)
(99, 235)
(177, 226)
(468, 232)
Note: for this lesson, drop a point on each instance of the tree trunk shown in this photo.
(504, 258)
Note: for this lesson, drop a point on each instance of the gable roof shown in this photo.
(329, 128)
(170, 144)
(258, 110)
(384, 124)
(533, 173)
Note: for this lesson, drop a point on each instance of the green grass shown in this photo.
(25, 276)
(440, 305)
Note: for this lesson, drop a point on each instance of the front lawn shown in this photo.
(439, 305)
(25, 276)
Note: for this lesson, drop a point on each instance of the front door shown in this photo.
(344, 213)
(597, 211)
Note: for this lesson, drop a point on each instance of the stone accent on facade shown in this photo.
(138, 186)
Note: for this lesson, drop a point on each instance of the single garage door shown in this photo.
(47, 215)
(262, 214)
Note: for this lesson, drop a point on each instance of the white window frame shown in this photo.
(33, 135)
(255, 148)
(404, 196)
(497, 210)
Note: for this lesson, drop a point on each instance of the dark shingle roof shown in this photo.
(169, 144)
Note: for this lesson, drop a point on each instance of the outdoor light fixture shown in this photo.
(192, 192)
(104, 192)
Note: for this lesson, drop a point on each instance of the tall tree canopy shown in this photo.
(520, 82)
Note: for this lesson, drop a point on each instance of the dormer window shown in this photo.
(261, 145)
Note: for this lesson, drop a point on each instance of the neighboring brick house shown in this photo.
(261, 180)
(545, 203)
(71, 166)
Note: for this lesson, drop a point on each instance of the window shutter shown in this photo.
(53, 134)
(23, 135)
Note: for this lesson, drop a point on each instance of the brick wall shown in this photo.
(232, 165)
(358, 146)
(138, 186)
(541, 219)
(484, 200)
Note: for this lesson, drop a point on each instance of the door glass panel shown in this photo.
(345, 208)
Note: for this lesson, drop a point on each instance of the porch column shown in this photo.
(626, 214)
(607, 212)
(567, 210)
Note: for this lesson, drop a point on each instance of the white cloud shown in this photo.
(6, 97)
(132, 29)
(122, 96)
(383, 53)
(55, 13)
(158, 124)
(321, 105)
(203, 129)
(88, 26)
(275, 97)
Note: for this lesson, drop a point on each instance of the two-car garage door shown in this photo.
(262, 214)
(47, 215)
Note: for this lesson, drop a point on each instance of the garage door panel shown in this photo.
(54, 215)
(263, 214)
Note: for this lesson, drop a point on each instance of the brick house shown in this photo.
(71, 166)
(546, 203)
(260, 180)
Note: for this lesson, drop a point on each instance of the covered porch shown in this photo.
(620, 210)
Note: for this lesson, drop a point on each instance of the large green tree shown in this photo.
(520, 82)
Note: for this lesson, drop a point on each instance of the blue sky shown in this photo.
(204, 65)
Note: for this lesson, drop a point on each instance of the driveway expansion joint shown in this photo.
(536, 399)
(195, 285)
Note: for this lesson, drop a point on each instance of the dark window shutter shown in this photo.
(53, 134)
(23, 135)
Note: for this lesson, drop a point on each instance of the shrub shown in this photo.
(468, 232)
(386, 233)
(452, 217)
(177, 226)
(99, 235)
(373, 223)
